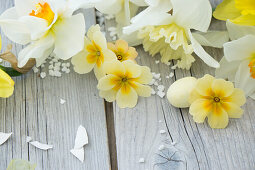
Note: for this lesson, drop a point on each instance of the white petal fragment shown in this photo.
(78, 153)
(29, 139)
(41, 145)
(81, 138)
(4, 137)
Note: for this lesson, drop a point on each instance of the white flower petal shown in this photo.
(128, 99)
(111, 7)
(4, 137)
(69, 36)
(244, 80)
(9, 24)
(78, 153)
(212, 38)
(76, 4)
(192, 14)
(227, 69)
(35, 50)
(198, 49)
(139, 2)
(81, 138)
(153, 15)
(240, 49)
(46, 54)
(25, 7)
(237, 31)
(41, 145)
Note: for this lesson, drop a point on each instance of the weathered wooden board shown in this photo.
(35, 110)
(197, 145)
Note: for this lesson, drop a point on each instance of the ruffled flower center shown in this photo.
(43, 11)
(171, 41)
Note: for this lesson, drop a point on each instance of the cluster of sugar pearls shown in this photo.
(55, 66)
(155, 82)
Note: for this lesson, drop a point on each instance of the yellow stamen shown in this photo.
(43, 11)
(252, 68)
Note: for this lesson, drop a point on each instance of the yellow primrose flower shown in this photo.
(123, 51)
(6, 85)
(94, 54)
(124, 82)
(240, 12)
(216, 99)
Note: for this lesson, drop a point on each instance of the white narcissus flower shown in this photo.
(238, 63)
(165, 27)
(48, 25)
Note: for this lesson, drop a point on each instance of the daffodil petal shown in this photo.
(227, 69)
(240, 49)
(109, 95)
(25, 7)
(238, 31)
(112, 7)
(188, 15)
(233, 110)
(142, 90)
(131, 69)
(9, 24)
(35, 50)
(199, 109)
(218, 120)
(46, 54)
(212, 38)
(6, 85)
(226, 10)
(204, 85)
(201, 53)
(146, 76)
(243, 78)
(126, 97)
(107, 82)
(69, 36)
(245, 20)
(222, 88)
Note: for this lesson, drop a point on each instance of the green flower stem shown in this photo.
(10, 71)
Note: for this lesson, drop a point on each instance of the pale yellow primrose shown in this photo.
(217, 100)
(124, 82)
(94, 54)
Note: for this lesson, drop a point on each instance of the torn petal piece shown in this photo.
(78, 153)
(4, 137)
(29, 139)
(41, 145)
(81, 138)
(62, 101)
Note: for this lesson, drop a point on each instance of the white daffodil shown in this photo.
(165, 27)
(46, 26)
(238, 63)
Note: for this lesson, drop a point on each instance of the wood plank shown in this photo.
(35, 110)
(197, 145)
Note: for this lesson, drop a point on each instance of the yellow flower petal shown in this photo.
(109, 95)
(6, 85)
(132, 70)
(81, 64)
(99, 39)
(107, 82)
(146, 76)
(204, 85)
(226, 10)
(245, 4)
(99, 72)
(200, 109)
(194, 95)
(222, 88)
(122, 45)
(118, 68)
(218, 119)
(244, 20)
(126, 97)
(233, 110)
(142, 90)
(237, 97)
(92, 30)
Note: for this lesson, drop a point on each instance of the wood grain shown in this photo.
(35, 110)
(197, 145)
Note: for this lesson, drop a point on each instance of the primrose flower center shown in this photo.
(43, 11)
(124, 79)
(216, 99)
(98, 53)
(119, 57)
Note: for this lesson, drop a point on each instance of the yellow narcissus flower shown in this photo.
(6, 85)
(241, 12)
(94, 54)
(124, 82)
(216, 99)
(123, 51)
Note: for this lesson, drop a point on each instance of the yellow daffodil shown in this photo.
(216, 99)
(123, 51)
(6, 85)
(165, 28)
(240, 12)
(124, 82)
(94, 54)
